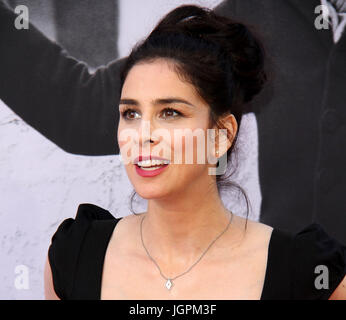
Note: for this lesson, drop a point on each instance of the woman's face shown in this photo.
(154, 96)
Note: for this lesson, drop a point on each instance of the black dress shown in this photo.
(78, 248)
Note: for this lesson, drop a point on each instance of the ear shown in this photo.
(223, 141)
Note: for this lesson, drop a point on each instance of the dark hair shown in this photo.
(219, 56)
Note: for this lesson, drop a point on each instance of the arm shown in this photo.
(49, 292)
(56, 94)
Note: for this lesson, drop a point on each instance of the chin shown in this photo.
(148, 187)
(151, 194)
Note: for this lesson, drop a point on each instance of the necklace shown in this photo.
(169, 281)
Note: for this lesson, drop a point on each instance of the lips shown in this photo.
(152, 173)
(149, 173)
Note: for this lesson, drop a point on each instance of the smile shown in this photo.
(150, 168)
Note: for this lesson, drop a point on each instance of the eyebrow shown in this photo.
(167, 100)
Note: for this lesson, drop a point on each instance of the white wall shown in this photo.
(136, 21)
(40, 185)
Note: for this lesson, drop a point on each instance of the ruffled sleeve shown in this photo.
(66, 245)
(319, 264)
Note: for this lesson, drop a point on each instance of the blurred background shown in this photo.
(40, 184)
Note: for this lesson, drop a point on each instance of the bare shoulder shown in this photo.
(126, 222)
(254, 237)
(261, 227)
(340, 292)
(129, 222)
(254, 230)
(125, 232)
(49, 291)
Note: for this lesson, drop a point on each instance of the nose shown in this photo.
(146, 137)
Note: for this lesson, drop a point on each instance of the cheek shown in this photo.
(127, 137)
(193, 148)
(120, 143)
(193, 159)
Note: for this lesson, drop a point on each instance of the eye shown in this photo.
(128, 114)
(170, 113)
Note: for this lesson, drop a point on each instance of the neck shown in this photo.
(178, 229)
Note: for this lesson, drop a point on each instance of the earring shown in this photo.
(217, 153)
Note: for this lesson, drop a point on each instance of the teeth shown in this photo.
(150, 163)
(150, 168)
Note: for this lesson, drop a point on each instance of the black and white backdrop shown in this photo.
(42, 183)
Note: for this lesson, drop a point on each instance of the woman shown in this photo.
(195, 71)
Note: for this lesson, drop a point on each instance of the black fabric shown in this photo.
(278, 278)
(78, 248)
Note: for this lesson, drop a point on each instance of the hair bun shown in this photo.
(247, 55)
(182, 14)
(243, 48)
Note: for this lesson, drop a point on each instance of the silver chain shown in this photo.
(171, 279)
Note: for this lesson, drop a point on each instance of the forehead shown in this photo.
(157, 79)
